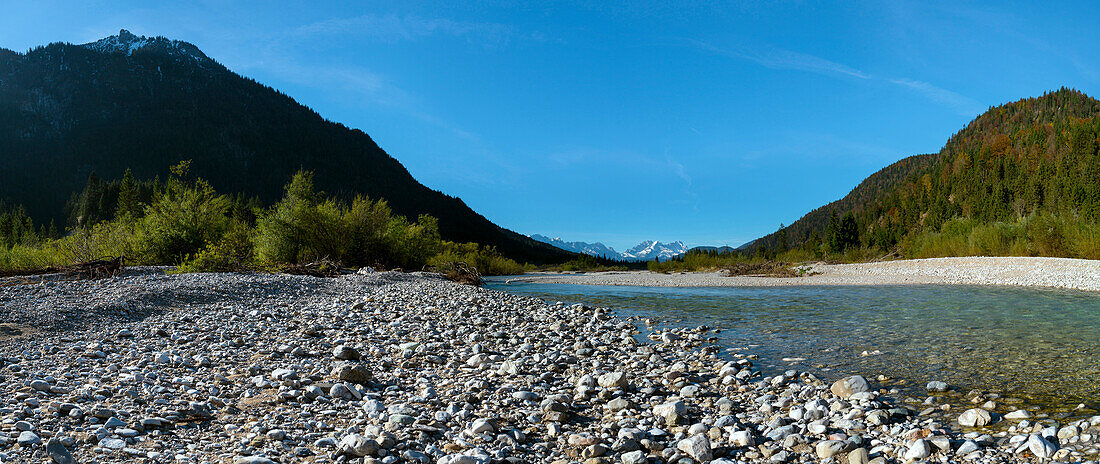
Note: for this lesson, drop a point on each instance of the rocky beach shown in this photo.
(410, 368)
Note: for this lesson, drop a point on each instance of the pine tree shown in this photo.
(127, 197)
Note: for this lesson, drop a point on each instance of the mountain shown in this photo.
(644, 251)
(592, 249)
(652, 249)
(1034, 157)
(142, 103)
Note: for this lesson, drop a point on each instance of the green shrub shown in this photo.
(1047, 235)
(486, 260)
(303, 228)
(180, 223)
(232, 253)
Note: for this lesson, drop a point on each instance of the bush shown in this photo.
(180, 223)
(303, 228)
(233, 253)
(486, 260)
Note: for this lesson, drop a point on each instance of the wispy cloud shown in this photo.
(778, 58)
(964, 105)
(394, 28)
(358, 85)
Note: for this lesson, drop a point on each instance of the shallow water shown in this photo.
(1038, 345)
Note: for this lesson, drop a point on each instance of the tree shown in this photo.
(127, 197)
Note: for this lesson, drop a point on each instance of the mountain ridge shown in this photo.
(1033, 156)
(131, 102)
(644, 251)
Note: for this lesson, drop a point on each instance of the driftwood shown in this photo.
(459, 272)
(106, 267)
(322, 268)
(768, 269)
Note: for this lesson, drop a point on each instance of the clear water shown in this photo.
(1039, 346)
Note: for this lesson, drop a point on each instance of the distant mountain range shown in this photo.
(645, 251)
(141, 103)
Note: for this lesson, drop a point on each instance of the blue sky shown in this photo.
(616, 122)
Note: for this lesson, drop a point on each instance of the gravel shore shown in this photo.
(404, 368)
(1080, 274)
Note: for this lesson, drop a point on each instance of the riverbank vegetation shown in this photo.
(185, 223)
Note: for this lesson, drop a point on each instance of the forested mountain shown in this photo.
(1032, 157)
(130, 102)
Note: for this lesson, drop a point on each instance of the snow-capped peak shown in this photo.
(645, 251)
(127, 43)
(653, 249)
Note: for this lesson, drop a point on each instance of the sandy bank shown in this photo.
(1078, 274)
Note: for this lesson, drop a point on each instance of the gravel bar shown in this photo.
(1079, 274)
(390, 368)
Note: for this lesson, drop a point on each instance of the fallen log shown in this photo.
(106, 267)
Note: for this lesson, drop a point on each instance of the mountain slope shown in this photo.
(146, 103)
(1033, 156)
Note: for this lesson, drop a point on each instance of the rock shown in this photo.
(594, 451)
(936, 386)
(671, 411)
(112, 443)
(481, 426)
(58, 453)
(698, 447)
(859, 456)
(40, 385)
(634, 457)
(829, 448)
(1040, 447)
(462, 459)
(918, 450)
(742, 438)
(975, 417)
(356, 445)
(1019, 414)
(339, 391)
(354, 373)
(28, 438)
(346, 353)
(850, 385)
(1068, 432)
(618, 404)
(967, 447)
(612, 380)
(253, 460)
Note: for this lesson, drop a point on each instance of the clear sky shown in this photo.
(618, 122)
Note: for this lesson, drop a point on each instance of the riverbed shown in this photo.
(1037, 346)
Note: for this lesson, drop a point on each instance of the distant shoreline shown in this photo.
(1067, 273)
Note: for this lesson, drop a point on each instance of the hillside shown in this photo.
(1036, 156)
(146, 103)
